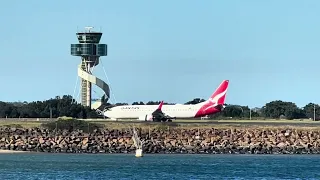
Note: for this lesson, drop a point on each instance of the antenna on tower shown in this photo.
(88, 28)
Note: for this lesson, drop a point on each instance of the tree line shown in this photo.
(67, 106)
(52, 108)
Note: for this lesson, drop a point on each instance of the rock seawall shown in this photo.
(174, 140)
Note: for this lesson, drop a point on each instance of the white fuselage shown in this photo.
(137, 111)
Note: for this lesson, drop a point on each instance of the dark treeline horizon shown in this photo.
(67, 106)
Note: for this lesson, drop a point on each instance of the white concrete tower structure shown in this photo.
(90, 51)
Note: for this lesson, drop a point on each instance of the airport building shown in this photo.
(90, 50)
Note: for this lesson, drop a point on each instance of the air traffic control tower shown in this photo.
(90, 51)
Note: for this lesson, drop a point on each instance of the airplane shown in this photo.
(162, 112)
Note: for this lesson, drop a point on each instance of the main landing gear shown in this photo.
(159, 116)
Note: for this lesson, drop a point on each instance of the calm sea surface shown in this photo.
(126, 166)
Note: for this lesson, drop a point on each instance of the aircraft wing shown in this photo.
(158, 115)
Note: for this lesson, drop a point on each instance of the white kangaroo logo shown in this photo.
(215, 99)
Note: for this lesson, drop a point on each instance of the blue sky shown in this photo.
(166, 50)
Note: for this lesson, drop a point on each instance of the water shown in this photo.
(126, 166)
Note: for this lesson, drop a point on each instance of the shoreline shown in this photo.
(153, 154)
(165, 140)
(3, 151)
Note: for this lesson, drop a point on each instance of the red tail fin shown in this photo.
(218, 97)
(213, 104)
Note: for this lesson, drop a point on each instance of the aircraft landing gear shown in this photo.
(159, 116)
(162, 119)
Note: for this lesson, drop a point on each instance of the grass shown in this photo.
(223, 120)
(25, 124)
(180, 123)
(248, 120)
(271, 121)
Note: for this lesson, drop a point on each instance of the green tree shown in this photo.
(61, 106)
(195, 101)
(309, 110)
(233, 111)
(275, 109)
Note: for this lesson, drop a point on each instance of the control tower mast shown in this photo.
(90, 51)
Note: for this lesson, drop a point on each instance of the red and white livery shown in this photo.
(144, 112)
